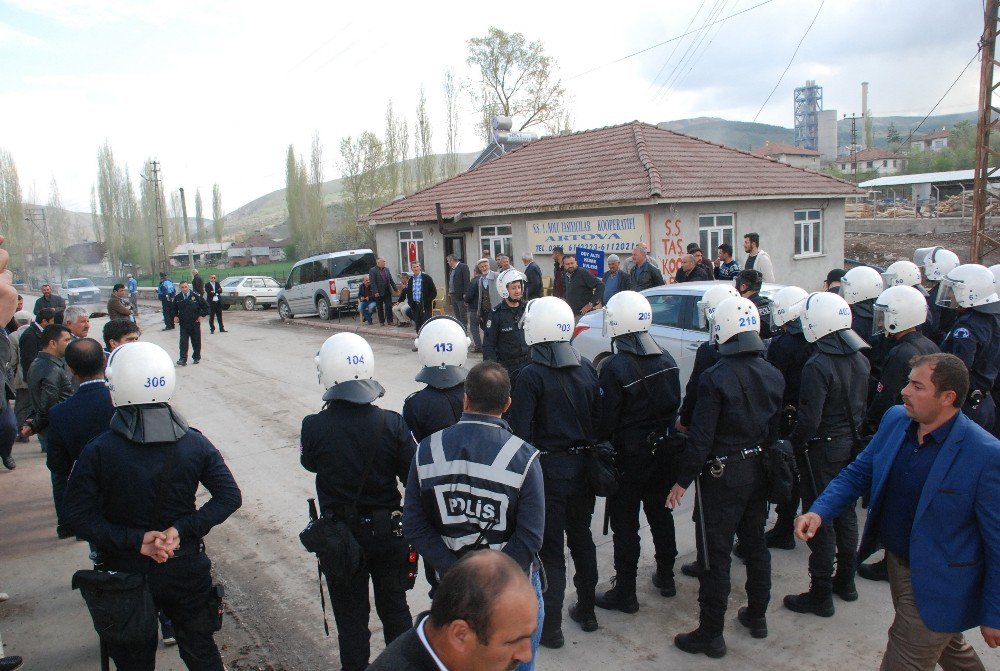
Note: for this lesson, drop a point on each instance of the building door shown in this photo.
(454, 246)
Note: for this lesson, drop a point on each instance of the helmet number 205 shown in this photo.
(156, 381)
(645, 316)
(443, 347)
(748, 321)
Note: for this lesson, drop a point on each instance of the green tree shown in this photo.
(516, 79)
(12, 221)
(294, 198)
(892, 136)
(423, 150)
(449, 163)
(199, 216)
(218, 219)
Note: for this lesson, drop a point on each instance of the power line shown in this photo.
(691, 49)
(674, 50)
(794, 53)
(672, 39)
(695, 57)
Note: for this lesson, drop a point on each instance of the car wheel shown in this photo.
(228, 306)
(249, 303)
(323, 308)
(284, 312)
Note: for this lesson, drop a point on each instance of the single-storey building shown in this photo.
(880, 160)
(800, 157)
(611, 188)
(204, 252)
(255, 250)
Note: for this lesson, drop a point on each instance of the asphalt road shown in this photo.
(255, 384)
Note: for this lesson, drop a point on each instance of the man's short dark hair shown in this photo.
(693, 247)
(727, 248)
(835, 275)
(471, 587)
(85, 357)
(558, 248)
(753, 237)
(52, 333)
(116, 329)
(569, 256)
(488, 388)
(117, 287)
(751, 278)
(948, 374)
(45, 315)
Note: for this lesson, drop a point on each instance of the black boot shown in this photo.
(781, 536)
(582, 613)
(697, 641)
(552, 636)
(621, 596)
(756, 625)
(663, 580)
(843, 579)
(876, 571)
(818, 600)
(691, 569)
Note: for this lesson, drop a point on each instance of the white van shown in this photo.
(324, 283)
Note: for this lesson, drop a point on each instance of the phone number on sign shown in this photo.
(600, 247)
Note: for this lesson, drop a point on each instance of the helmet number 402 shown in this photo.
(443, 347)
(156, 381)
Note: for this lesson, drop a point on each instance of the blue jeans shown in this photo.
(536, 637)
(367, 310)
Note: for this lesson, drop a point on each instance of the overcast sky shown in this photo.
(218, 89)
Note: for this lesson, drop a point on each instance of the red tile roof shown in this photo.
(613, 166)
(936, 134)
(778, 148)
(870, 155)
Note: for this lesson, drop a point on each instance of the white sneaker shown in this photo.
(169, 641)
(4, 596)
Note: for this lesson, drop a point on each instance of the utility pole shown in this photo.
(983, 202)
(854, 144)
(187, 232)
(161, 244)
(33, 217)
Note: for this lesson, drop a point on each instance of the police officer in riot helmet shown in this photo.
(971, 291)
(557, 402)
(831, 406)
(788, 352)
(708, 351)
(132, 495)
(739, 401)
(936, 263)
(860, 286)
(359, 453)
(749, 283)
(504, 339)
(442, 347)
(640, 394)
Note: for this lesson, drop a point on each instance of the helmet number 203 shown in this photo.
(156, 381)
(443, 347)
(748, 321)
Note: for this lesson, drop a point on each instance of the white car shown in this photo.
(81, 290)
(676, 325)
(249, 291)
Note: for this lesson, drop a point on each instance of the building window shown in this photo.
(808, 232)
(869, 165)
(885, 164)
(497, 239)
(411, 248)
(713, 230)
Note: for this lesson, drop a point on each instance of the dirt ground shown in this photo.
(881, 249)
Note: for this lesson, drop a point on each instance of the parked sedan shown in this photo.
(250, 291)
(676, 325)
(81, 290)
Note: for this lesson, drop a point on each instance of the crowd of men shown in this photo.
(884, 390)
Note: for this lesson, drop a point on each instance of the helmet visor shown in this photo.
(705, 312)
(781, 315)
(890, 280)
(947, 297)
(881, 312)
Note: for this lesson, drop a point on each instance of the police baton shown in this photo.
(700, 512)
(812, 474)
(313, 516)
(607, 516)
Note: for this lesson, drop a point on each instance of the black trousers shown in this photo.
(383, 563)
(643, 484)
(384, 306)
(192, 333)
(734, 506)
(8, 430)
(167, 310)
(181, 589)
(215, 313)
(420, 314)
(786, 510)
(838, 540)
(569, 507)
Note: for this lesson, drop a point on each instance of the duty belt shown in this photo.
(717, 465)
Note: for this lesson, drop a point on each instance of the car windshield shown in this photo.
(231, 281)
(351, 264)
(77, 284)
(271, 283)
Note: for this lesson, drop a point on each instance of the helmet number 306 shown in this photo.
(156, 381)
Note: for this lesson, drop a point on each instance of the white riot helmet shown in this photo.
(939, 262)
(139, 373)
(969, 285)
(507, 277)
(824, 313)
(710, 301)
(627, 312)
(901, 274)
(737, 326)
(899, 308)
(442, 347)
(786, 305)
(548, 319)
(995, 269)
(861, 283)
(346, 367)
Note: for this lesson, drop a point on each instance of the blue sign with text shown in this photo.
(590, 259)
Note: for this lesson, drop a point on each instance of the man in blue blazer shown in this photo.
(73, 422)
(934, 479)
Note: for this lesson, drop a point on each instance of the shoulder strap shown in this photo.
(371, 456)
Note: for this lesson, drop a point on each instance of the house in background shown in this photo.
(935, 141)
(255, 250)
(798, 157)
(205, 253)
(878, 160)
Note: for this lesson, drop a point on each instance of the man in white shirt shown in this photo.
(757, 259)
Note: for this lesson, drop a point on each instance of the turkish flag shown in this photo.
(411, 250)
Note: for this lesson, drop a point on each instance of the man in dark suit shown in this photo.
(934, 480)
(214, 299)
(482, 618)
(533, 277)
(51, 300)
(188, 309)
(30, 342)
(420, 295)
(382, 288)
(75, 421)
(458, 284)
(197, 283)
